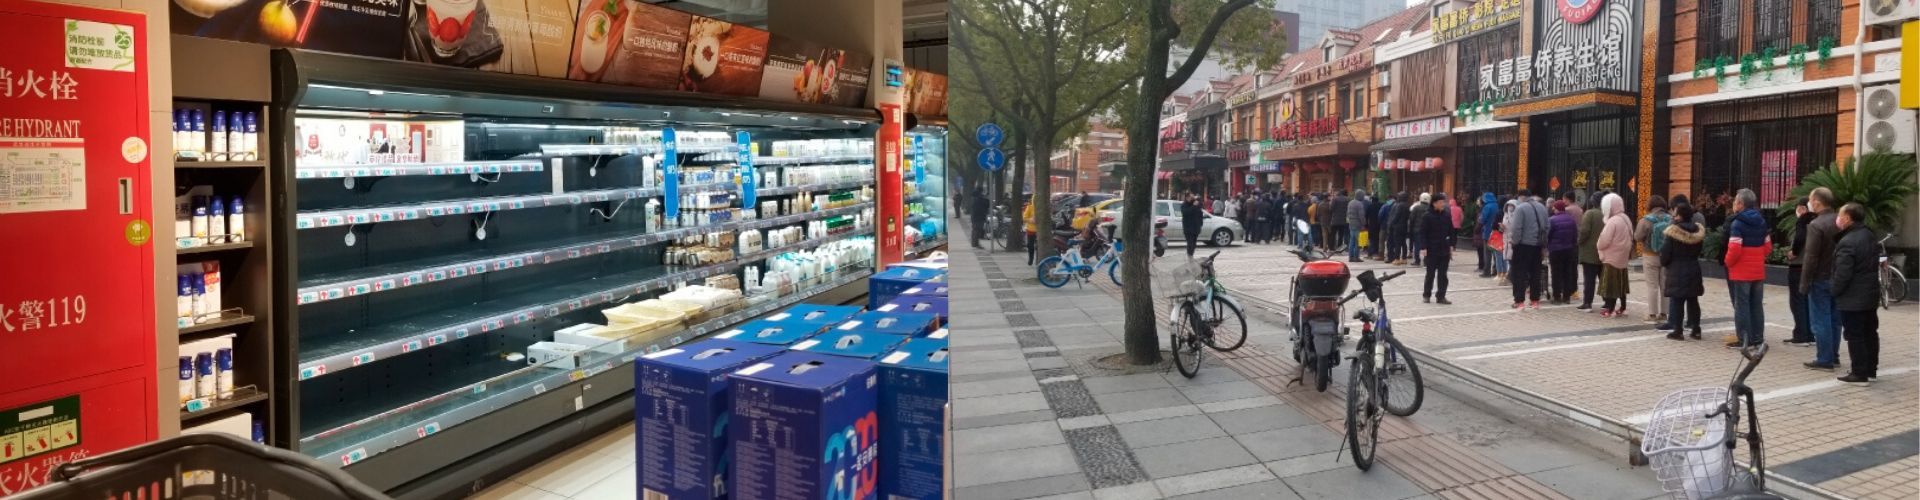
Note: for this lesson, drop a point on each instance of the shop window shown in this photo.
(1772, 25)
(1719, 29)
(1346, 102)
(1480, 50)
(1766, 145)
(1823, 21)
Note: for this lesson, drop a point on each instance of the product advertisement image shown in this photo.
(445, 248)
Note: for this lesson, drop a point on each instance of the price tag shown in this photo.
(748, 182)
(670, 164)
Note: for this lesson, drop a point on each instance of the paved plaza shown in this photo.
(1038, 413)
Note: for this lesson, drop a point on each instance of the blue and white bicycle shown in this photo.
(1069, 264)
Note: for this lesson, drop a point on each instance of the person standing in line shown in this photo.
(1437, 232)
(1816, 274)
(1591, 221)
(1397, 230)
(1488, 218)
(1356, 222)
(1275, 211)
(977, 214)
(1528, 235)
(1218, 205)
(1680, 261)
(1650, 235)
(1313, 221)
(1254, 212)
(1383, 236)
(1502, 251)
(1562, 234)
(1328, 215)
(1856, 293)
(1616, 249)
(1573, 204)
(1748, 244)
(1191, 219)
(1374, 234)
(1796, 298)
(1337, 219)
(1418, 213)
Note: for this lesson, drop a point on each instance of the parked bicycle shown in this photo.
(1072, 263)
(1191, 333)
(1691, 436)
(1893, 283)
(1384, 379)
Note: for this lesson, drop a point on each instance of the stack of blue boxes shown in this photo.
(816, 401)
(885, 285)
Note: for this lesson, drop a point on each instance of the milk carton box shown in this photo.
(769, 332)
(805, 426)
(913, 402)
(926, 289)
(911, 324)
(817, 313)
(682, 408)
(853, 343)
(885, 285)
(932, 305)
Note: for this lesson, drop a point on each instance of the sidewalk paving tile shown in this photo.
(1308, 464)
(1180, 459)
(1263, 399)
(1002, 419)
(1104, 457)
(1084, 422)
(997, 405)
(1140, 400)
(1264, 418)
(1153, 414)
(1006, 437)
(1265, 490)
(1013, 465)
(1026, 488)
(1214, 480)
(967, 390)
(1350, 482)
(1289, 442)
(1226, 391)
(1600, 481)
(1169, 431)
(1126, 383)
(1069, 399)
(1135, 491)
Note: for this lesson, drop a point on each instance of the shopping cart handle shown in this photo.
(353, 488)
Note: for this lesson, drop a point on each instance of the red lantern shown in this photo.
(1348, 163)
(1437, 162)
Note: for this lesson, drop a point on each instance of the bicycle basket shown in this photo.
(201, 466)
(1178, 281)
(1685, 448)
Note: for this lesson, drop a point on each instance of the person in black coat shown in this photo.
(977, 214)
(1856, 293)
(1680, 265)
(1797, 300)
(1374, 234)
(1437, 240)
(1191, 219)
(1397, 230)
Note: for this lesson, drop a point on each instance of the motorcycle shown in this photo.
(1315, 318)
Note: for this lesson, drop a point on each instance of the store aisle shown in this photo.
(601, 469)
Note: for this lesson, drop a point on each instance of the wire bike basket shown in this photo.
(1179, 281)
(201, 466)
(1687, 450)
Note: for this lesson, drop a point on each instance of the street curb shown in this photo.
(1612, 433)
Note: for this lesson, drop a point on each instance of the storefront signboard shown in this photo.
(926, 92)
(1479, 18)
(531, 37)
(1304, 130)
(1435, 125)
(1600, 51)
(802, 71)
(374, 28)
(1334, 69)
(75, 166)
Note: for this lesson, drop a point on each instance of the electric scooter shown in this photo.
(1314, 320)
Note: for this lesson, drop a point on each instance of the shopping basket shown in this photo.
(1688, 450)
(200, 466)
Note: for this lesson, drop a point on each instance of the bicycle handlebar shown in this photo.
(1356, 293)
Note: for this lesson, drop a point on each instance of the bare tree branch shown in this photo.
(1220, 17)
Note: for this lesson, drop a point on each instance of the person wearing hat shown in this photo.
(1437, 239)
(1563, 234)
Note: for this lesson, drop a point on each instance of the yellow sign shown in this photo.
(138, 232)
(1607, 181)
(1580, 179)
(1910, 65)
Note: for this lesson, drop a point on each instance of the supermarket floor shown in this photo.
(1037, 415)
(602, 468)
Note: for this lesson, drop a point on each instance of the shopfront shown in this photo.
(1415, 155)
(1324, 156)
(1489, 161)
(1766, 144)
(1580, 96)
(1240, 159)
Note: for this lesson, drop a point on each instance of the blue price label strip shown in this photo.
(748, 182)
(919, 162)
(670, 164)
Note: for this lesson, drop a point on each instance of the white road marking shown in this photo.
(1517, 343)
(1641, 419)
(1556, 348)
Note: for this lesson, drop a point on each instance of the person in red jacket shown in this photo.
(1748, 243)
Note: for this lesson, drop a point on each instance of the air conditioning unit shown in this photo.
(1891, 11)
(1383, 79)
(1886, 128)
(1383, 109)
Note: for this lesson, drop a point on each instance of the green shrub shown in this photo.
(1880, 182)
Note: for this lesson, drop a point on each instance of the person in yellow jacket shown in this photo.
(1026, 219)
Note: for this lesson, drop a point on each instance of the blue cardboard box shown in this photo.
(935, 305)
(853, 343)
(886, 285)
(817, 313)
(926, 263)
(770, 332)
(910, 324)
(926, 289)
(913, 404)
(681, 408)
(805, 426)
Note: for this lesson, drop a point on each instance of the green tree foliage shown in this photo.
(1880, 182)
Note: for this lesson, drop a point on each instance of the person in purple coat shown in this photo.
(1563, 235)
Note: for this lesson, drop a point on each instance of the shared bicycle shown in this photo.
(1383, 379)
(1202, 316)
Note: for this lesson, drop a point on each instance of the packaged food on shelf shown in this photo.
(682, 406)
(584, 334)
(645, 312)
(826, 404)
(206, 371)
(560, 355)
(198, 300)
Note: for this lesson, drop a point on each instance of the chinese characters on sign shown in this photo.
(34, 84)
(1307, 129)
(1337, 67)
(1576, 56)
(33, 314)
(1481, 17)
(1436, 125)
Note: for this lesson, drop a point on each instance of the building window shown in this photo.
(1772, 25)
(1476, 51)
(1767, 144)
(1823, 21)
(1719, 30)
(1357, 98)
(1346, 102)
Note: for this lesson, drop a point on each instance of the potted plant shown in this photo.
(1881, 182)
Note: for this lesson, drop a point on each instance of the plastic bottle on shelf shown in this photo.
(218, 138)
(250, 137)
(217, 221)
(198, 141)
(187, 385)
(183, 301)
(236, 221)
(204, 386)
(200, 222)
(223, 372)
(180, 130)
(653, 215)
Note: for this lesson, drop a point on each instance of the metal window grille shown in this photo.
(1719, 30)
(1767, 145)
(1492, 168)
(1588, 150)
(1490, 48)
(1823, 21)
(1772, 25)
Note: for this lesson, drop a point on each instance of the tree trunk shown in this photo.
(1042, 195)
(1142, 336)
(1016, 202)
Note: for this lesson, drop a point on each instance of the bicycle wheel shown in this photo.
(1401, 386)
(1894, 285)
(1186, 347)
(1363, 430)
(1229, 326)
(1113, 271)
(1050, 273)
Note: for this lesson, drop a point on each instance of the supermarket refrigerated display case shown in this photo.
(446, 227)
(926, 193)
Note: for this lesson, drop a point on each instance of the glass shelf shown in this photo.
(626, 149)
(331, 354)
(766, 161)
(344, 439)
(400, 169)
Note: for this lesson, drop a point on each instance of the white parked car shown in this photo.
(1216, 231)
